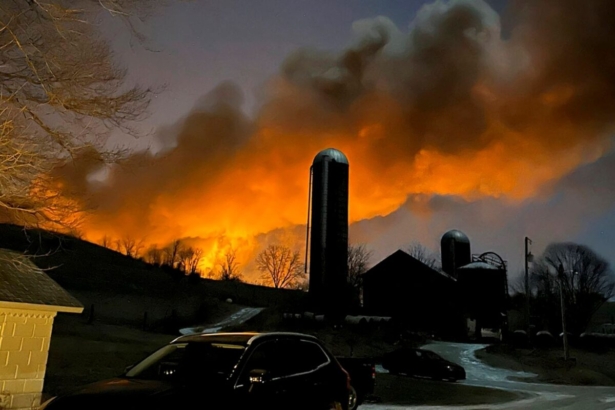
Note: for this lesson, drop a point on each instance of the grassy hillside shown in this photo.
(122, 290)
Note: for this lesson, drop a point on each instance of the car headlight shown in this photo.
(44, 405)
(450, 368)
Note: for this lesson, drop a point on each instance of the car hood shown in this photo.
(120, 393)
(124, 386)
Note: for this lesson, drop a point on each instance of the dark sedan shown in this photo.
(223, 371)
(422, 363)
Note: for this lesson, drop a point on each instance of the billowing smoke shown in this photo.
(456, 106)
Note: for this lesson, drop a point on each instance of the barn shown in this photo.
(420, 297)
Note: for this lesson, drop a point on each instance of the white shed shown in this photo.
(29, 301)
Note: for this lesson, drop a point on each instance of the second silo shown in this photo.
(329, 230)
(456, 252)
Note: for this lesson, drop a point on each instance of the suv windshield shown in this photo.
(188, 361)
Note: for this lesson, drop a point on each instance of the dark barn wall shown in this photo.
(329, 232)
(483, 294)
(413, 294)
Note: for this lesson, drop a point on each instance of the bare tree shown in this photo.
(106, 242)
(117, 245)
(60, 94)
(358, 264)
(130, 246)
(586, 281)
(154, 256)
(188, 259)
(229, 267)
(192, 266)
(517, 285)
(171, 254)
(424, 255)
(280, 266)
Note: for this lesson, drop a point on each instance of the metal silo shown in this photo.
(455, 247)
(328, 230)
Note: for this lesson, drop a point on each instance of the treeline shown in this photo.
(176, 256)
(279, 266)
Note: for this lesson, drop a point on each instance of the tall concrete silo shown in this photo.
(328, 231)
(456, 252)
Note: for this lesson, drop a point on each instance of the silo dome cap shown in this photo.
(336, 155)
(455, 235)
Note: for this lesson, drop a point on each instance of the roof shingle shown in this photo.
(21, 281)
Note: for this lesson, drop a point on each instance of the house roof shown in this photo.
(23, 283)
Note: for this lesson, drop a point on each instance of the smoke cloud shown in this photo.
(448, 108)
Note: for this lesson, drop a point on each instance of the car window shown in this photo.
(286, 358)
(188, 361)
(262, 357)
(302, 357)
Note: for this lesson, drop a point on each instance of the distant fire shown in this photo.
(448, 109)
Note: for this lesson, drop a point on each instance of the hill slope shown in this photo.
(123, 290)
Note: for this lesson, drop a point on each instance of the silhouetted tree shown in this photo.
(192, 265)
(154, 256)
(106, 241)
(358, 264)
(229, 267)
(422, 254)
(59, 82)
(587, 282)
(171, 254)
(188, 259)
(130, 246)
(280, 266)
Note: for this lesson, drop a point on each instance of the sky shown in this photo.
(454, 85)
(200, 44)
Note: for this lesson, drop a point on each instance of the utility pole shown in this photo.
(528, 257)
(560, 275)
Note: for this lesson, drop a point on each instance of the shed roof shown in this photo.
(479, 265)
(23, 283)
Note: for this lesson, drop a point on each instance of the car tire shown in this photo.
(353, 402)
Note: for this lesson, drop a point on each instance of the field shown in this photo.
(587, 368)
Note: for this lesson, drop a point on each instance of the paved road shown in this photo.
(541, 396)
(236, 318)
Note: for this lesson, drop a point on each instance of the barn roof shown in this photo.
(401, 258)
(23, 283)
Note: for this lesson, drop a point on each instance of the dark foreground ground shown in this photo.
(83, 353)
(587, 368)
(402, 390)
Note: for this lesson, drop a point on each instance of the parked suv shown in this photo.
(223, 371)
(422, 363)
